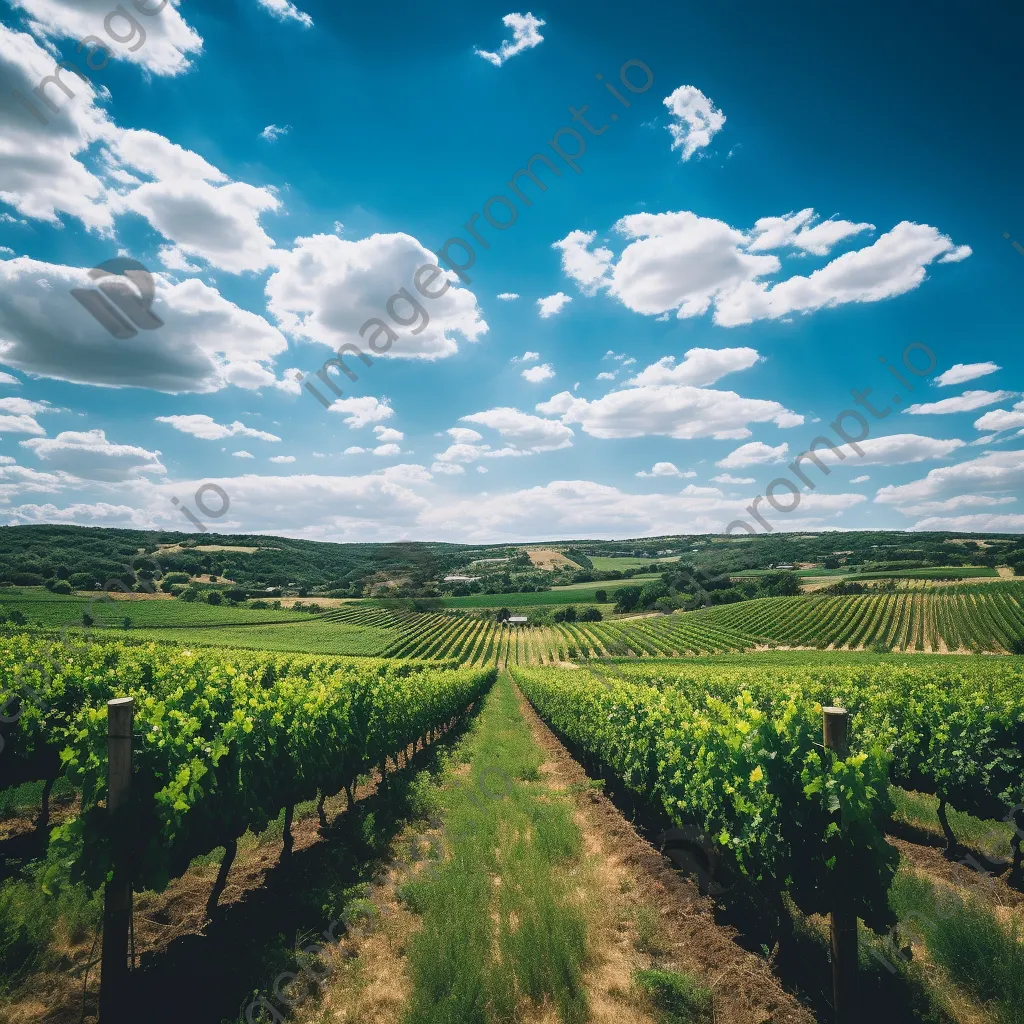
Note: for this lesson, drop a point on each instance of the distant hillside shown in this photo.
(91, 556)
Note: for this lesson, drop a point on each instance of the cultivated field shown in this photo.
(454, 791)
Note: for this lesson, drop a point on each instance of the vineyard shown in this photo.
(966, 618)
(954, 619)
(733, 758)
(225, 742)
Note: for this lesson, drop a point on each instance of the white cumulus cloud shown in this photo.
(327, 288)
(552, 305)
(695, 119)
(285, 10)
(666, 469)
(960, 373)
(525, 35)
(754, 453)
(206, 428)
(538, 374)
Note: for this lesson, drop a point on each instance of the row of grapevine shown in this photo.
(972, 618)
(747, 774)
(224, 741)
(955, 729)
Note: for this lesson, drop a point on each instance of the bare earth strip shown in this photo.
(633, 872)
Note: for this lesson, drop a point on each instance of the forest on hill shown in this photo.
(89, 557)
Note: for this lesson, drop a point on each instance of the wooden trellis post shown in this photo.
(117, 897)
(836, 733)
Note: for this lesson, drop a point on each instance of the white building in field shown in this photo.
(518, 620)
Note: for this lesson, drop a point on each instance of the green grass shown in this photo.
(500, 928)
(59, 610)
(963, 936)
(991, 838)
(604, 563)
(803, 573)
(306, 636)
(577, 593)
(956, 572)
(675, 998)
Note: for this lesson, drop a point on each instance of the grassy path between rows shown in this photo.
(500, 911)
(503, 923)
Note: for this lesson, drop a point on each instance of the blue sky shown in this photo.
(791, 195)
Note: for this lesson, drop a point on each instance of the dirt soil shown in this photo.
(744, 988)
(548, 558)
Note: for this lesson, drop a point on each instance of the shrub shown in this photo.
(214, 597)
(591, 615)
(601, 596)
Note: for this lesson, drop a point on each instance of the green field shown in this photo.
(41, 607)
(955, 572)
(313, 636)
(802, 573)
(575, 593)
(604, 563)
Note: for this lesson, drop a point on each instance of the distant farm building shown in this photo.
(518, 620)
(461, 579)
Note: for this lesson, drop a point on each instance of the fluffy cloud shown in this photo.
(242, 455)
(206, 342)
(666, 469)
(359, 412)
(991, 472)
(524, 430)
(274, 131)
(206, 428)
(508, 296)
(799, 231)
(960, 373)
(673, 410)
(538, 374)
(552, 305)
(285, 10)
(6, 378)
(283, 459)
(860, 479)
(526, 357)
(966, 402)
(18, 415)
(449, 468)
(388, 434)
(587, 267)
(217, 223)
(728, 478)
(168, 39)
(960, 501)
(40, 175)
(327, 288)
(89, 455)
(755, 453)
(689, 264)
(525, 35)
(700, 367)
(695, 119)
(891, 450)
(387, 450)
(608, 375)
(464, 435)
(978, 523)
(1002, 419)
(582, 508)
